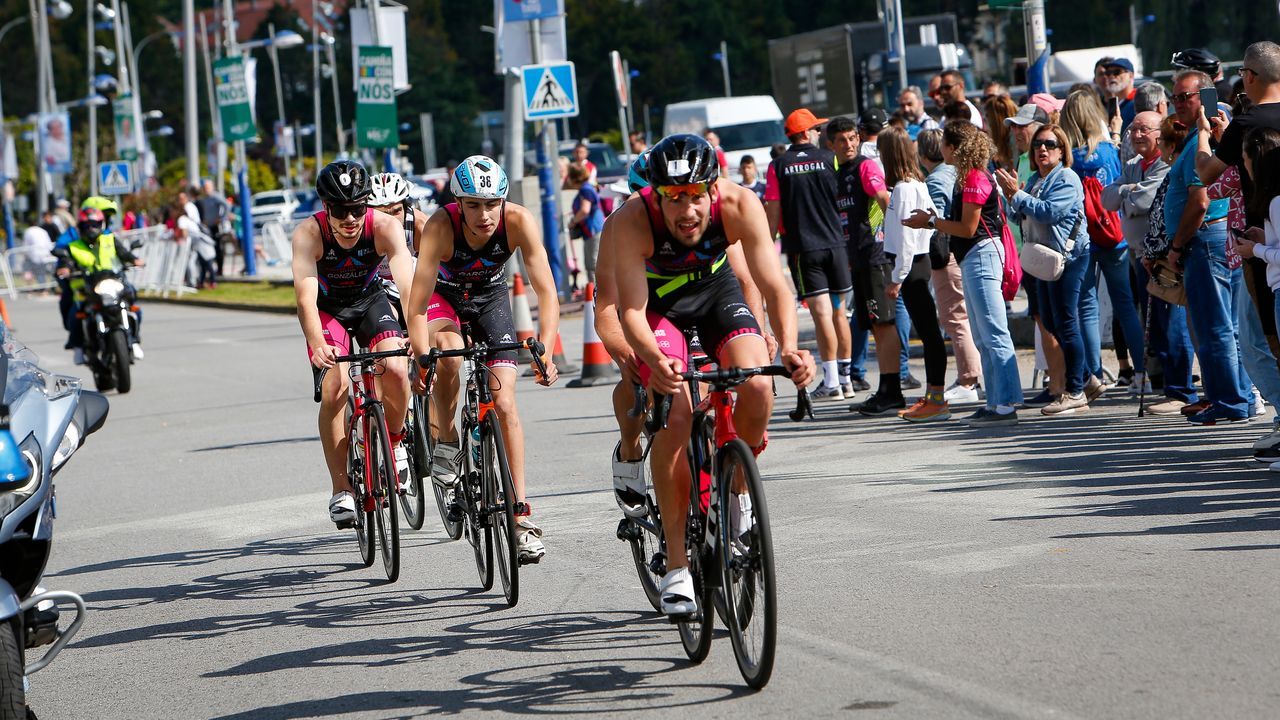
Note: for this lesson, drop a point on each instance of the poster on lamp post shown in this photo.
(126, 125)
(376, 98)
(232, 93)
(55, 142)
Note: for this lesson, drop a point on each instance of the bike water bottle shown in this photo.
(475, 445)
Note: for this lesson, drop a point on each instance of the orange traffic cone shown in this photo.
(4, 314)
(557, 356)
(521, 317)
(597, 367)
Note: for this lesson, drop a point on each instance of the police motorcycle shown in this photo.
(44, 419)
(109, 317)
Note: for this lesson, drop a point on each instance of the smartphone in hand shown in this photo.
(1113, 106)
(1209, 101)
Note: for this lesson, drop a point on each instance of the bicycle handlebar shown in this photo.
(534, 347)
(363, 357)
(723, 380)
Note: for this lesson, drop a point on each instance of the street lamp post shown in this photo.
(242, 171)
(287, 38)
(93, 7)
(9, 230)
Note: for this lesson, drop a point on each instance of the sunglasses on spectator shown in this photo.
(1046, 144)
(1186, 96)
(946, 88)
(1244, 70)
(1114, 71)
(342, 212)
(674, 192)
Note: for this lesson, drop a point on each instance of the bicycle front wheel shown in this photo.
(417, 441)
(746, 563)
(645, 539)
(500, 493)
(476, 525)
(382, 464)
(355, 475)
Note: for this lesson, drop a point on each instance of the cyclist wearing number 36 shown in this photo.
(335, 278)
(671, 269)
(463, 251)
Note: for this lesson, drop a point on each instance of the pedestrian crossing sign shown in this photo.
(114, 178)
(550, 91)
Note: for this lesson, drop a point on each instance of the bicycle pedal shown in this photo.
(693, 617)
(345, 524)
(628, 531)
(455, 514)
(534, 560)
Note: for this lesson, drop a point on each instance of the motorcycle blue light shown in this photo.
(13, 468)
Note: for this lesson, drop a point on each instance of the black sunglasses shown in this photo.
(342, 212)
(1114, 71)
(946, 88)
(1047, 144)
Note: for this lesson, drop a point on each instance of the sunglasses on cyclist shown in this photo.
(342, 212)
(1046, 144)
(674, 192)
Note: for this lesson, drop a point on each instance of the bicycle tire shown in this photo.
(355, 475)
(451, 528)
(413, 499)
(501, 491)
(478, 529)
(383, 464)
(746, 566)
(645, 545)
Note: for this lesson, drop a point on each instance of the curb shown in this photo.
(245, 307)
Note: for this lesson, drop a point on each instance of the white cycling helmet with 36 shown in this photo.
(388, 189)
(479, 177)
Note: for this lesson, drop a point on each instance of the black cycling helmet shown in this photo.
(1197, 59)
(343, 182)
(682, 160)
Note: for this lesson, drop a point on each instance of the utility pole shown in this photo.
(215, 121)
(39, 17)
(724, 67)
(189, 106)
(242, 168)
(337, 99)
(548, 158)
(315, 87)
(284, 124)
(1037, 47)
(92, 45)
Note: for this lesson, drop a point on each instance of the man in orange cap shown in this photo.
(801, 193)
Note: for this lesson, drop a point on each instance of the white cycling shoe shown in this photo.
(402, 463)
(342, 509)
(677, 593)
(444, 464)
(529, 545)
(629, 488)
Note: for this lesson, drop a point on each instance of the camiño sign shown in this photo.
(376, 98)
(233, 100)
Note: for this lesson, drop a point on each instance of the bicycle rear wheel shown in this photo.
(476, 525)
(355, 475)
(500, 492)
(413, 499)
(746, 564)
(382, 463)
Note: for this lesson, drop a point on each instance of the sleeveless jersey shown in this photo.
(470, 266)
(410, 230)
(673, 263)
(346, 275)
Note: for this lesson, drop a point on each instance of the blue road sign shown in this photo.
(550, 91)
(517, 10)
(115, 178)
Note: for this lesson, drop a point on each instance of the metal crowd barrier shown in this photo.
(17, 262)
(167, 262)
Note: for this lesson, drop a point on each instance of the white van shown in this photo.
(747, 125)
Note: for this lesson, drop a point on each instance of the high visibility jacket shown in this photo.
(92, 258)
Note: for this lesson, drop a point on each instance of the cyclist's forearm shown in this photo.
(636, 332)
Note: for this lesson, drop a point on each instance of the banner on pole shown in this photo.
(55, 142)
(232, 94)
(376, 123)
(126, 127)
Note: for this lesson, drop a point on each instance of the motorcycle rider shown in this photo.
(66, 299)
(92, 250)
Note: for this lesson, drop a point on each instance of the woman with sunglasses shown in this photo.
(465, 248)
(335, 278)
(1052, 206)
(672, 273)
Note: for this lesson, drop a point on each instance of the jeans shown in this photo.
(1059, 302)
(1114, 264)
(1169, 341)
(1209, 303)
(859, 333)
(1254, 350)
(981, 273)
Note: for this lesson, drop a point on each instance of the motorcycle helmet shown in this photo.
(106, 205)
(387, 189)
(638, 176)
(90, 224)
(343, 182)
(479, 177)
(1197, 59)
(682, 160)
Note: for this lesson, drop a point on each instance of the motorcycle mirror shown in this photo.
(91, 413)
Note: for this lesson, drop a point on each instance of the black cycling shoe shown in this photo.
(879, 405)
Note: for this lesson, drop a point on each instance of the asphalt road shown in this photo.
(1099, 567)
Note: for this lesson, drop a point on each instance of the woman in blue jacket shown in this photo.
(1052, 210)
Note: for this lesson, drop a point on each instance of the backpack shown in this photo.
(1103, 224)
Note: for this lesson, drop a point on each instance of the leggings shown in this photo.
(924, 316)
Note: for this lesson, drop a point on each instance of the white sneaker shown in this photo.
(77, 356)
(529, 540)
(342, 508)
(1141, 384)
(677, 593)
(847, 388)
(402, 462)
(827, 393)
(136, 350)
(960, 394)
(1267, 447)
(1259, 406)
(629, 488)
(740, 515)
(444, 464)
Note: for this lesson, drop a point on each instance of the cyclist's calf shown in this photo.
(753, 407)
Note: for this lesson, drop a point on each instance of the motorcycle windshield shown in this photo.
(20, 368)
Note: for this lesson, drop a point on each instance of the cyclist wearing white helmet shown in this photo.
(390, 196)
(463, 252)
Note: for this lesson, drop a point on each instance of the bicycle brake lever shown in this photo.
(804, 407)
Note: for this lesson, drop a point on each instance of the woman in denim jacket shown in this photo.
(1052, 208)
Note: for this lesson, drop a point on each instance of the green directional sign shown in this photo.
(233, 100)
(1005, 4)
(376, 98)
(126, 127)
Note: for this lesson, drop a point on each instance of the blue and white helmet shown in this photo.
(479, 177)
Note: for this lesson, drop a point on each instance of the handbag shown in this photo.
(1166, 283)
(1042, 262)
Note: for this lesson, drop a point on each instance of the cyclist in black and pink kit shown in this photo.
(461, 263)
(671, 270)
(336, 256)
(390, 196)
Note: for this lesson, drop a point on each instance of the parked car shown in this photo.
(273, 205)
